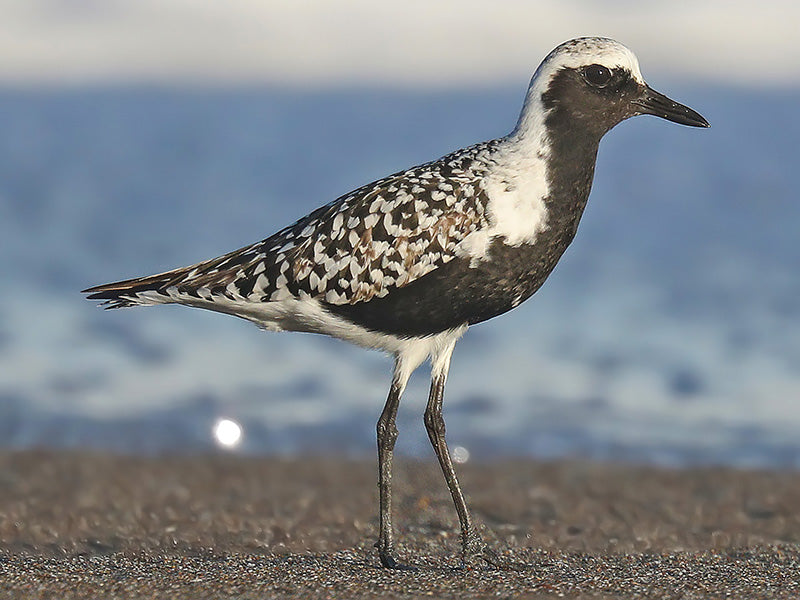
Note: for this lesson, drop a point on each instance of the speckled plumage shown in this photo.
(381, 236)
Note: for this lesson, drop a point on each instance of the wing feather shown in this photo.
(360, 246)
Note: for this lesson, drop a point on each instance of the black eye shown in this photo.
(597, 75)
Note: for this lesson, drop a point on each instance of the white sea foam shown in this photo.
(456, 42)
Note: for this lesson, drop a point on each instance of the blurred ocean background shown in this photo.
(669, 333)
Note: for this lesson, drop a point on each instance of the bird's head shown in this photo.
(594, 83)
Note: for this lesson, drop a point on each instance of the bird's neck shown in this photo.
(567, 151)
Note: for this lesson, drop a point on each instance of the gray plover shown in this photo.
(407, 263)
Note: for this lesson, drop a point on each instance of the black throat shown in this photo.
(570, 170)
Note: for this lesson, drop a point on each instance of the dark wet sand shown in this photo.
(89, 525)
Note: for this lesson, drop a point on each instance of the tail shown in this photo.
(141, 291)
(193, 285)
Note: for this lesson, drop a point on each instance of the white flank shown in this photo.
(307, 315)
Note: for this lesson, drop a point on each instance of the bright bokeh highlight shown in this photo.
(227, 433)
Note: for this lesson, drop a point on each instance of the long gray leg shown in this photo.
(387, 434)
(471, 542)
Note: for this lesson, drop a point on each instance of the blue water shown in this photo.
(669, 333)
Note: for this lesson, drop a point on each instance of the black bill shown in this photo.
(652, 102)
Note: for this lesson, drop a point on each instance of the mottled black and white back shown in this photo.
(407, 263)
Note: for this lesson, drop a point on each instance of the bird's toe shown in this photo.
(389, 559)
(475, 551)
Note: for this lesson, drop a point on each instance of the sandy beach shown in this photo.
(94, 525)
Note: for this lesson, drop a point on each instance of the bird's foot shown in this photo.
(474, 549)
(389, 558)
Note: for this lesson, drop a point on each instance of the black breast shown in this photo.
(457, 293)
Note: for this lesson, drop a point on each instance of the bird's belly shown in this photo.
(461, 292)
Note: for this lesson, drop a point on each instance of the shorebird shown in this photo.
(407, 263)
